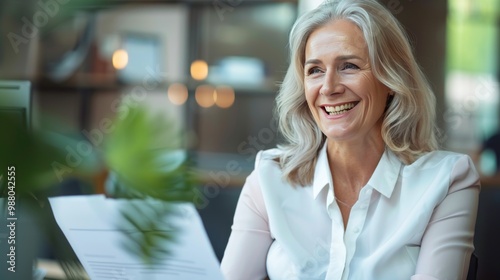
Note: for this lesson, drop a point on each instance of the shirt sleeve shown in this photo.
(447, 243)
(250, 239)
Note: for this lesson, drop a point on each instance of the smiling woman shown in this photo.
(358, 190)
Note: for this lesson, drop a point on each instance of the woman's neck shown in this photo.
(353, 163)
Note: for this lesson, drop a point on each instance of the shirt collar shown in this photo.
(383, 179)
(386, 173)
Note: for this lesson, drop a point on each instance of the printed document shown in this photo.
(90, 224)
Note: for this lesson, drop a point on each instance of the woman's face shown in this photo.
(345, 99)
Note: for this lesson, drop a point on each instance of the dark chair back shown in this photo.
(474, 262)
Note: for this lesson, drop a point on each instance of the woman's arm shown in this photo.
(246, 251)
(447, 243)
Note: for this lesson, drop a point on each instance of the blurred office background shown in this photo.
(214, 66)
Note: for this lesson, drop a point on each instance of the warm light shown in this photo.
(120, 59)
(225, 96)
(205, 96)
(199, 70)
(177, 93)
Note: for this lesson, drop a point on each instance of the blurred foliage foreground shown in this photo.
(142, 155)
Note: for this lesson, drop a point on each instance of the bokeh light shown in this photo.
(224, 96)
(205, 96)
(199, 70)
(177, 93)
(120, 59)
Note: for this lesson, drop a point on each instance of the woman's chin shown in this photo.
(339, 135)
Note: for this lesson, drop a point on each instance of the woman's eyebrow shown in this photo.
(312, 61)
(347, 57)
(338, 58)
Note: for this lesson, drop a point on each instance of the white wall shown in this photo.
(307, 5)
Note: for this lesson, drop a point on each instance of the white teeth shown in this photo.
(335, 110)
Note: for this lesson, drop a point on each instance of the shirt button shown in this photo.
(356, 230)
(369, 192)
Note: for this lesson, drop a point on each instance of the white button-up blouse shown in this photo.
(410, 222)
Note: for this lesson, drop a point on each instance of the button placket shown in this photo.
(337, 246)
(355, 225)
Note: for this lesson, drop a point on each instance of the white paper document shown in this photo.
(90, 223)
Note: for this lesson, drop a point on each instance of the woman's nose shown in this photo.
(331, 84)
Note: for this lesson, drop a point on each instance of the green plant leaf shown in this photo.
(42, 158)
(145, 157)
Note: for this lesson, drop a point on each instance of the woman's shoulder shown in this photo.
(442, 171)
(453, 163)
(270, 156)
(268, 169)
(440, 158)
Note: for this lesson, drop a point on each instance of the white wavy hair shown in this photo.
(408, 127)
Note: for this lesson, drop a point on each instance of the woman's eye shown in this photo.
(313, 70)
(349, 66)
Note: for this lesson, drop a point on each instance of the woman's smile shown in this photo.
(338, 110)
